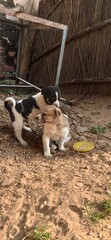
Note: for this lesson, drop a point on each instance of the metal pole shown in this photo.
(61, 55)
(19, 54)
(28, 83)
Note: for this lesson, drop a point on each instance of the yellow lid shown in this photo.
(83, 146)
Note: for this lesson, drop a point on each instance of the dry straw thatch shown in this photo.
(87, 61)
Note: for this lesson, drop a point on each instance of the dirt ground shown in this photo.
(57, 192)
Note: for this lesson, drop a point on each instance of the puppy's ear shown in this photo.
(10, 103)
(57, 112)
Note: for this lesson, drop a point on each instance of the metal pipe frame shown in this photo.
(62, 48)
(61, 55)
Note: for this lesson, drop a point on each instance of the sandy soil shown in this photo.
(56, 192)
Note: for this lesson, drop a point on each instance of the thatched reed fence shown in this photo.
(87, 61)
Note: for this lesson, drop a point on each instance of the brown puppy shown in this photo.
(55, 128)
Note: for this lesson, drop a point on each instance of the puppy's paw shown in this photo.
(24, 143)
(53, 147)
(27, 129)
(47, 155)
(62, 148)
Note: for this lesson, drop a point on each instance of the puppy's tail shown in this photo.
(9, 103)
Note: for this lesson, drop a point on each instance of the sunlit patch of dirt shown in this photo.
(56, 192)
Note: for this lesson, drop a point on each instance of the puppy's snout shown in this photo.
(56, 103)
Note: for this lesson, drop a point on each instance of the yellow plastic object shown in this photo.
(83, 146)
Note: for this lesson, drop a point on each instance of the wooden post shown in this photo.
(30, 18)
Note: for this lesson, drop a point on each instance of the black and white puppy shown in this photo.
(28, 108)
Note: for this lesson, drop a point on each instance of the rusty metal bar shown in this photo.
(31, 18)
(30, 84)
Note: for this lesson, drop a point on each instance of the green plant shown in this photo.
(109, 125)
(9, 73)
(98, 129)
(98, 211)
(40, 233)
(17, 180)
(95, 217)
(95, 113)
(107, 207)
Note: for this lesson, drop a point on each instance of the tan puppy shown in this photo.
(55, 128)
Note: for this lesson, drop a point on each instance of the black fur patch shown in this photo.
(49, 93)
(9, 108)
(26, 106)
